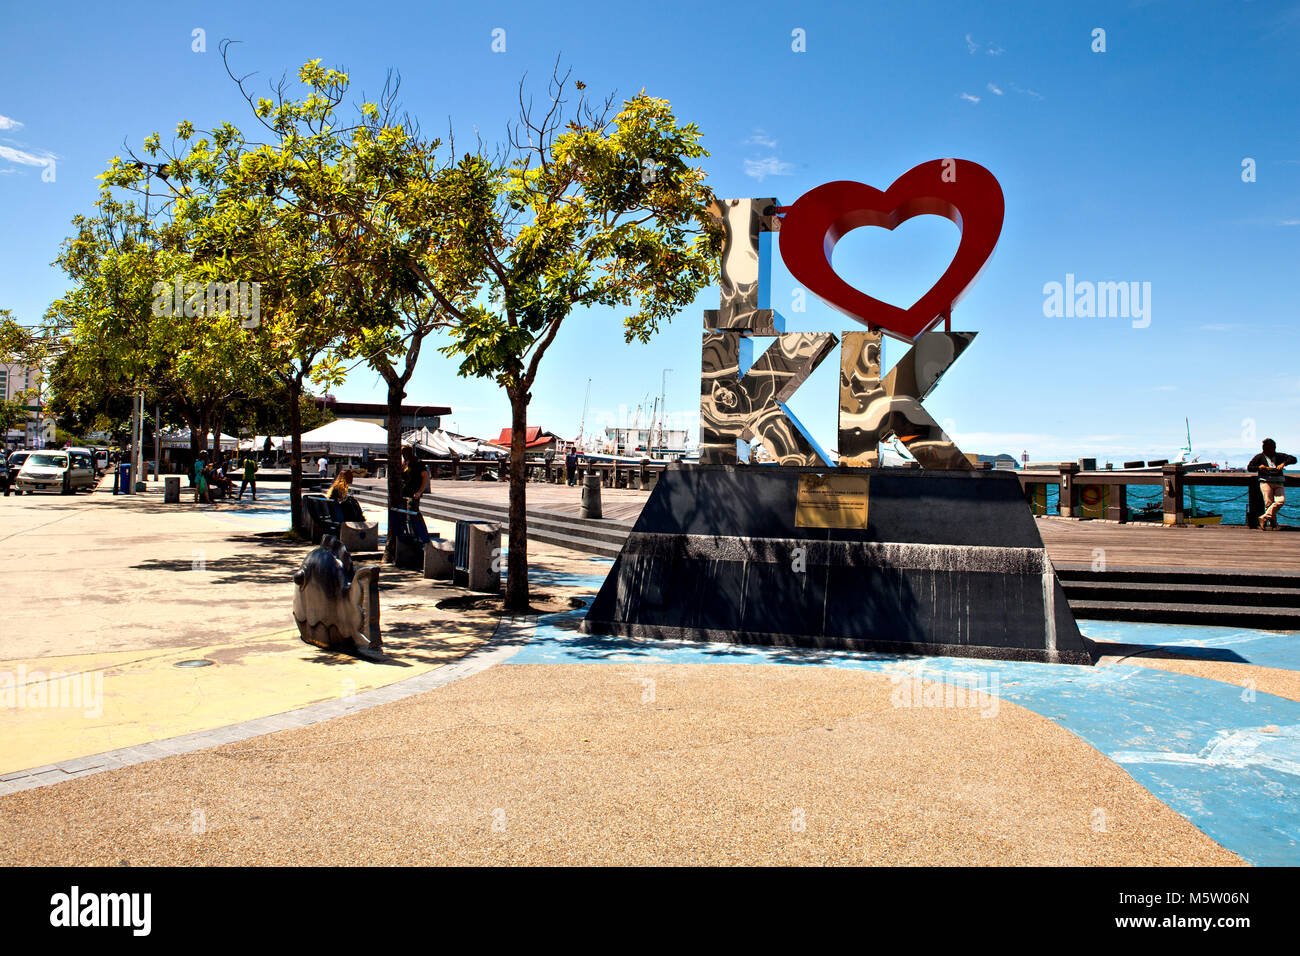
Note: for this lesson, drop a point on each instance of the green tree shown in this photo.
(599, 207)
(390, 210)
(13, 414)
(229, 225)
(588, 205)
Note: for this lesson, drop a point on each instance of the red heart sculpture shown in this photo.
(956, 189)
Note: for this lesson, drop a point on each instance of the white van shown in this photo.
(65, 470)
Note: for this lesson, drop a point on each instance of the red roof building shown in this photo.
(535, 439)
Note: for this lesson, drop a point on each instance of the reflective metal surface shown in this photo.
(872, 409)
(751, 406)
(746, 266)
(860, 356)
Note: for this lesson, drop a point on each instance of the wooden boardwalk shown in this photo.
(1214, 547)
(617, 504)
(1069, 541)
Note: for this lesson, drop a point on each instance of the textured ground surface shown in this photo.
(127, 587)
(603, 751)
(623, 764)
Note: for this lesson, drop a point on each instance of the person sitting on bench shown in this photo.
(341, 489)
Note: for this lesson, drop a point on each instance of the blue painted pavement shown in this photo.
(1225, 757)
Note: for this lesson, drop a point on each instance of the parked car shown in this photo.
(64, 471)
(4, 475)
(16, 460)
(90, 455)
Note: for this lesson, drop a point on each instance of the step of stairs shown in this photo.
(588, 535)
(1266, 600)
(1269, 600)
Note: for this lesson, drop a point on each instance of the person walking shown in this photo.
(323, 466)
(1272, 482)
(571, 465)
(200, 479)
(415, 478)
(250, 478)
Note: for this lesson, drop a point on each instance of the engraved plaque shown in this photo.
(832, 501)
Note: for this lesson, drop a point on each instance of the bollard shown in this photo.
(591, 497)
(1117, 510)
(1068, 500)
(172, 490)
(1173, 492)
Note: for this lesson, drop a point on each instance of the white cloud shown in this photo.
(1031, 93)
(1289, 222)
(26, 159)
(994, 90)
(760, 138)
(969, 98)
(7, 123)
(973, 46)
(760, 169)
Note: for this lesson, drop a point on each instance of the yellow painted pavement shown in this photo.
(59, 708)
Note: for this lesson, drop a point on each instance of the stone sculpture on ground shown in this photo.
(335, 606)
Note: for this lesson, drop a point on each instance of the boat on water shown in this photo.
(1155, 513)
(1194, 515)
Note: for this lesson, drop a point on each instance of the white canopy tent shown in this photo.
(344, 436)
(180, 438)
(257, 441)
(444, 444)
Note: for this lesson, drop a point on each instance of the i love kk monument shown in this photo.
(941, 559)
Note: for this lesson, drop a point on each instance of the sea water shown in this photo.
(1226, 500)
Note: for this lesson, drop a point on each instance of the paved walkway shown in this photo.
(112, 593)
(545, 745)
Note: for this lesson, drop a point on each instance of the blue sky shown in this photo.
(1123, 165)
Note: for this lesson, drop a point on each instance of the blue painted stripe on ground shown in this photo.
(1280, 649)
(1226, 759)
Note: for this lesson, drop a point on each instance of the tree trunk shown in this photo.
(396, 392)
(205, 425)
(517, 562)
(295, 458)
(192, 419)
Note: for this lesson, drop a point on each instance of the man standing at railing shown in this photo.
(1272, 482)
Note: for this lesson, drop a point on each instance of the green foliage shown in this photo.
(13, 415)
(365, 237)
(592, 211)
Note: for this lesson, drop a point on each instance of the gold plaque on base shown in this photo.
(832, 501)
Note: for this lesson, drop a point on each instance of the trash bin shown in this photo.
(172, 489)
(122, 479)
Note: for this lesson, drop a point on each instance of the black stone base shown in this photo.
(950, 563)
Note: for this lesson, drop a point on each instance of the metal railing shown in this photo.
(1104, 494)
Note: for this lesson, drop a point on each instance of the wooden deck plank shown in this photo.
(1068, 541)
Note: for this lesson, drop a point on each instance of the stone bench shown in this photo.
(360, 535)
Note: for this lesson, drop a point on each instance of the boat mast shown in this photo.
(582, 423)
(663, 411)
